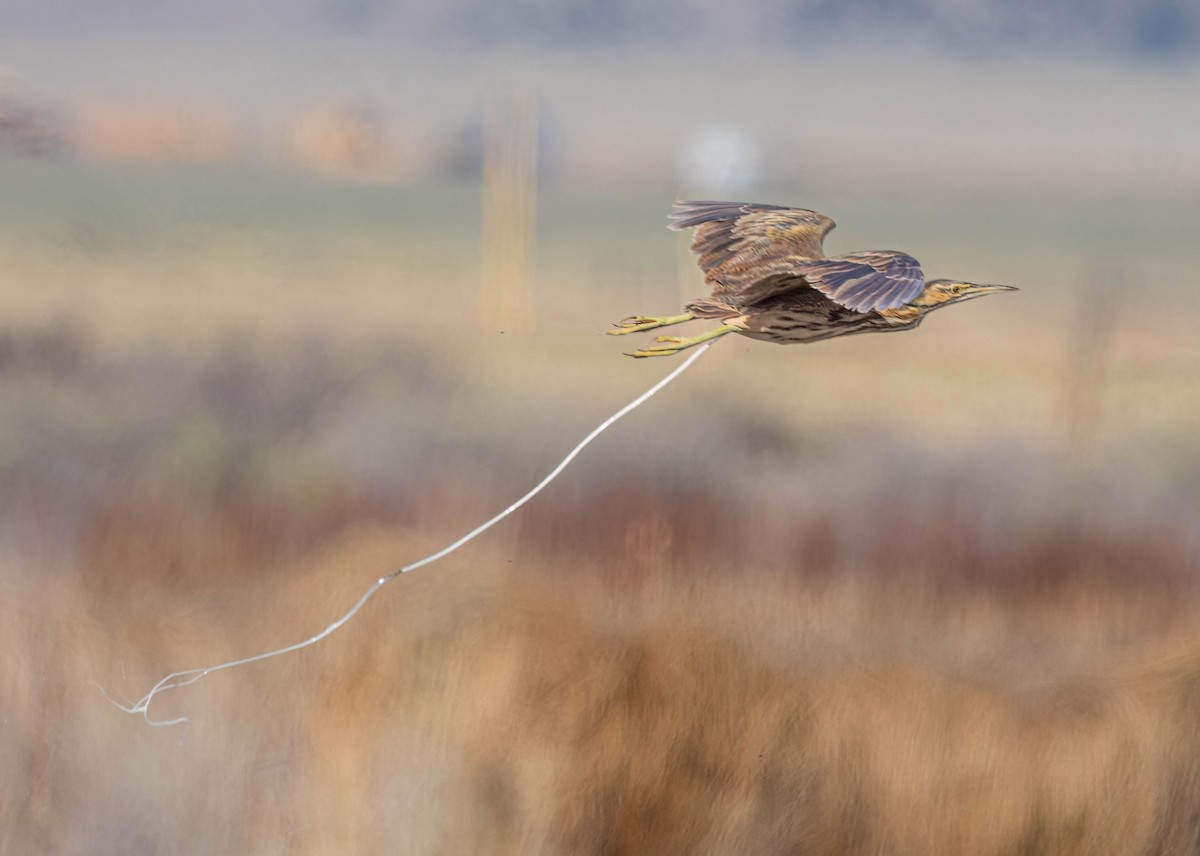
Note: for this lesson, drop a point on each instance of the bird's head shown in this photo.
(943, 292)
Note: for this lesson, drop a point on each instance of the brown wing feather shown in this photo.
(868, 280)
(749, 250)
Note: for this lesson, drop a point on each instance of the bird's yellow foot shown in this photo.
(637, 323)
(667, 345)
(670, 345)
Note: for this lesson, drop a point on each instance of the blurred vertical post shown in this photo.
(1089, 350)
(510, 159)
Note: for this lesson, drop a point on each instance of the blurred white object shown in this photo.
(719, 161)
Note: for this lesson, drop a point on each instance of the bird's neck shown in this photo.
(901, 314)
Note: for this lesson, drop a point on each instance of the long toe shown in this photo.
(668, 345)
(653, 352)
(634, 324)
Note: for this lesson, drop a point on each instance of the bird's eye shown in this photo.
(956, 288)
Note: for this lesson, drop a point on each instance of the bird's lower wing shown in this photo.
(751, 292)
(877, 279)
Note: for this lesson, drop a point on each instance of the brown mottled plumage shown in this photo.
(771, 280)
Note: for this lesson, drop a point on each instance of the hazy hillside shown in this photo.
(1130, 28)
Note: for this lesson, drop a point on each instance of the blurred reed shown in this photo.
(1092, 334)
(510, 178)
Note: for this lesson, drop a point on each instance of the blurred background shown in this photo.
(293, 294)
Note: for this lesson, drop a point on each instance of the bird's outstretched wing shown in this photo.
(875, 279)
(751, 250)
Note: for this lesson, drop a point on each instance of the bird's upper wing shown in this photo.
(743, 245)
(757, 251)
(875, 279)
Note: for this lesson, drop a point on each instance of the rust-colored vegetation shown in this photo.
(651, 658)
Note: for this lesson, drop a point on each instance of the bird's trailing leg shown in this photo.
(667, 345)
(637, 323)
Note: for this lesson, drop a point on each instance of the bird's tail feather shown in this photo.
(712, 308)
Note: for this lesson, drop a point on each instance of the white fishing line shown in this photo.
(190, 676)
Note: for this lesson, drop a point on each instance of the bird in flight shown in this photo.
(771, 280)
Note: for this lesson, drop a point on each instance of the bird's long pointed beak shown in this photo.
(990, 289)
(974, 290)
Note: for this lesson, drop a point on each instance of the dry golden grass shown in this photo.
(845, 599)
(836, 656)
(502, 703)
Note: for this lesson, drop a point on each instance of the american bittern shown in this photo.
(771, 280)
